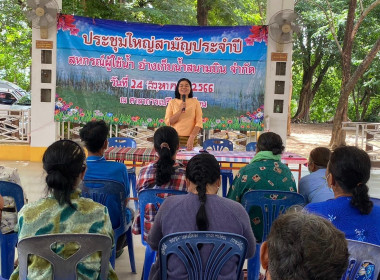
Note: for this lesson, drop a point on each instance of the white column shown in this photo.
(277, 121)
(43, 130)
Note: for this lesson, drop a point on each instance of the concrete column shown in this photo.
(276, 121)
(43, 130)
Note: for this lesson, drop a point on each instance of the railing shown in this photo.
(15, 126)
(142, 135)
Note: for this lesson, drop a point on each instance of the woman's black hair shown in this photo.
(176, 92)
(351, 168)
(270, 141)
(166, 143)
(201, 170)
(63, 162)
(94, 134)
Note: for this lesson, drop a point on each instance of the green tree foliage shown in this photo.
(181, 12)
(15, 44)
(313, 55)
(326, 24)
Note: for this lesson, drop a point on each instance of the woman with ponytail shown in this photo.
(200, 210)
(64, 211)
(165, 173)
(351, 211)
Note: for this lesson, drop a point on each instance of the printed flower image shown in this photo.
(67, 111)
(65, 22)
(259, 34)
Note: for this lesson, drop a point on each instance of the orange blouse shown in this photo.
(189, 119)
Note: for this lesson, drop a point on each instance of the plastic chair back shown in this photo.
(13, 190)
(364, 261)
(376, 201)
(218, 144)
(8, 241)
(110, 193)
(156, 197)
(185, 246)
(124, 142)
(251, 147)
(221, 145)
(272, 204)
(64, 269)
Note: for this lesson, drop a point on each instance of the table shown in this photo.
(357, 126)
(146, 155)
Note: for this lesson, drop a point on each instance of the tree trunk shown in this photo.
(365, 103)
(202, 12)
(304, 105)
(338, 135)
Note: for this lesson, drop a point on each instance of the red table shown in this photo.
(146, 155)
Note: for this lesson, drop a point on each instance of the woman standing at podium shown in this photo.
(184, 114)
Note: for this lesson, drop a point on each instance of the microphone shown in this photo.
(183, 100)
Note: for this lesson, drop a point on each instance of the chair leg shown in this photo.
(130, 250)
(224, 185)
(133, 186)
(150, 257)
(254, 265)
(8, 245)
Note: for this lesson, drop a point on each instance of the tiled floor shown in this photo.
(32, 179)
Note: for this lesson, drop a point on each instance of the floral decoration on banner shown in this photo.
(68, 112)
(259, 34)
(65, 22)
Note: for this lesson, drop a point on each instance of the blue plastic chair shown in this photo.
(364, 259)
(376, 201)
(8, 241)
(153, 196)
(185, 246)
(126, 143)
(220, 145)
(272, 203)
(251, 147)
(110, 193)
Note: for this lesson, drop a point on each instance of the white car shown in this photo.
(10, 94)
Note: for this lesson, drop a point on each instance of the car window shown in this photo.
(7, 98)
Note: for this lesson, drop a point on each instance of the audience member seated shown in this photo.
(351, 211)
(9, 216)
(265, 172)
(64, 211)
(302, 246)
(201, 209)
(314, 186)
(165, 173)
(94, 135)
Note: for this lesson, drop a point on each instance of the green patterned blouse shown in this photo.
(46, 216)
(266, 174)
